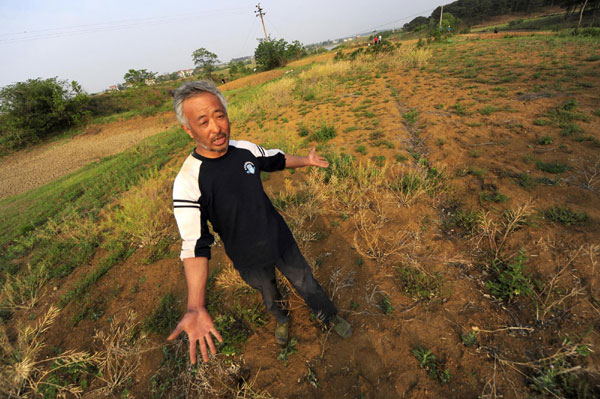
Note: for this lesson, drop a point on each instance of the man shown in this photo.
(220, 182)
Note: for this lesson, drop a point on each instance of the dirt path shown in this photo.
(31, 168)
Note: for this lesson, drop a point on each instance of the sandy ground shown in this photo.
(31, 168)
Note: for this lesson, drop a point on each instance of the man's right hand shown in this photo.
(199, 326)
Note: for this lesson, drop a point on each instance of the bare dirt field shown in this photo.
(25, 170)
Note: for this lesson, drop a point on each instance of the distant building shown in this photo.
(185, 73)
(149, 82)
(114, 88)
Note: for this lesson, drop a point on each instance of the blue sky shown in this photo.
(96, 42)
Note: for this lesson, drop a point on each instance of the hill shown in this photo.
(456, 229)
(478, 12)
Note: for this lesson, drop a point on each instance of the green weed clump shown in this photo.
(466, 220)
(411, 116)
(429, 362)
(324, 133)
(564, 215)
(418, 284)
(233, 331)
(460, 109)
(488, 110)
(361, 149)
(570, 129)
(552, 167)
(469, 339)
(386, 305)
(542, 122)
(509, 280)
(303, 130)
(288, 350)
(486, 196)
(545, 140)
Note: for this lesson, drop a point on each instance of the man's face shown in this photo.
(209, 124)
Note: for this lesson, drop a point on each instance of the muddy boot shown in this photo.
(341, 327)
(281, 333)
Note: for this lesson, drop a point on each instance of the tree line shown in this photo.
(476, 11)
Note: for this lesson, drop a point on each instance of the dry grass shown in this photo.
(497, 233)
(144, 213)
(590, 175)
(120, 354)
(278, 93)
(274, 95)
(221, 377)
(340, 280)
(564, 288)
(23, 374)
(409, 184)
(374, 241)
(23, 291)
(345, 192)
(327, 70)
(412, 56)
(230, 281)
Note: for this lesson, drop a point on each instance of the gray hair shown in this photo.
(191, 89)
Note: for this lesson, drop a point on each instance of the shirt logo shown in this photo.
(249, 168)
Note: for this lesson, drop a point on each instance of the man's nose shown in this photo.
(213, 126)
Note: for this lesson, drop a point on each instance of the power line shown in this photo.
(52, 33)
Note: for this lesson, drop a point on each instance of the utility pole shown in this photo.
(260, 14)
(441, 15)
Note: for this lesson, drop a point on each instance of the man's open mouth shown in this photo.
(219, 140)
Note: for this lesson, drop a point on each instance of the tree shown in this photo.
(37, 108)
(270, 54)
(138, 76)
(275, 53)
(295, 50)
(205, 59)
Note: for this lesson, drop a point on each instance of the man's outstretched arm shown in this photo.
(196, 321)
(312, 159)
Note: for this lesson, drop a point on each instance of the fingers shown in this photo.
(211, 345)
(216, 334)
(193, 351)
(175, 333)
(203, 350)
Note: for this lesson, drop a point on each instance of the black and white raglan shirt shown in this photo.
(228, 192)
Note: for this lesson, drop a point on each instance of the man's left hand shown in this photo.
(315, 159)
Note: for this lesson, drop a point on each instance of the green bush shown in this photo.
(37, 108)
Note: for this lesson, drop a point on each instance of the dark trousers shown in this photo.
(294, 267)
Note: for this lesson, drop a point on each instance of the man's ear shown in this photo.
(188, 131)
